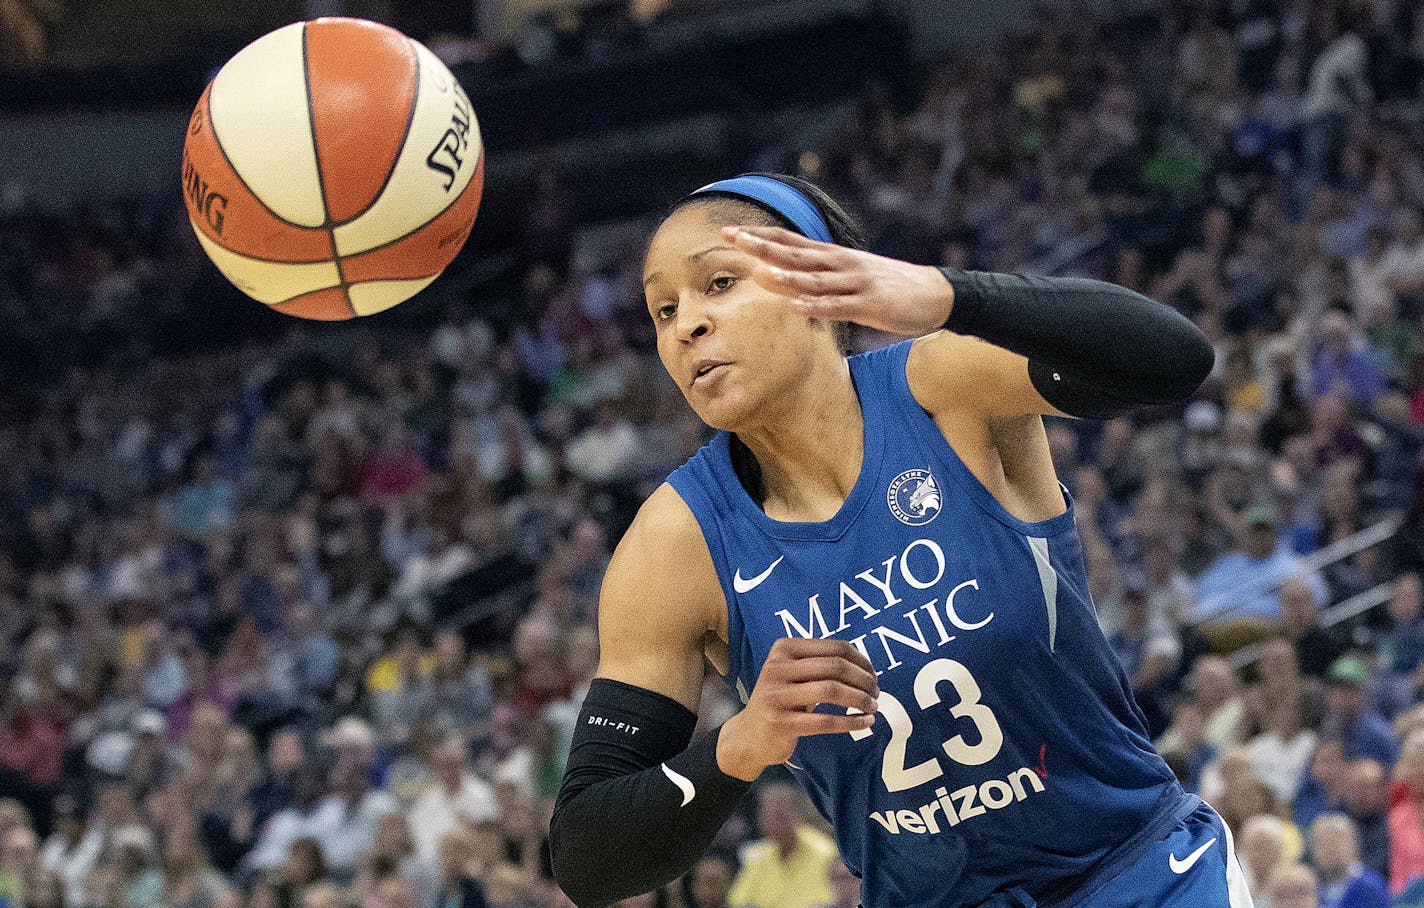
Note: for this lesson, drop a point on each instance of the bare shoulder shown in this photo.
(660, 601)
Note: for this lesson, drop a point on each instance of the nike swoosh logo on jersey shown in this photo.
(684, 784)
(1184, 865)
(745, 585)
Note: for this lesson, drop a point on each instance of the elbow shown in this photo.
(572, 875)
(1197, 359)
(1183, 360)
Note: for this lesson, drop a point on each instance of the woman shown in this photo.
(1406, 818)
(876, 552)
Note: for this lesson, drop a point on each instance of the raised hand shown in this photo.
(840, 284)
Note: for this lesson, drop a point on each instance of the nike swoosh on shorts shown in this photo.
(1184, 865)
(744, 585)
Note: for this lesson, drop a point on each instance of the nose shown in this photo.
(693, 320)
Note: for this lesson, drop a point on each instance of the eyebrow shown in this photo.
(721, 247)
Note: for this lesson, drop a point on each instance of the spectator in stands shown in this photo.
(350, 815)
(1406, 820)
(304, 658)
(1189, 744)
(1366, 799)
(1169, 591)
(1236, 786)
(303, 818)
(1217, 692)
(787, 867)
(72, 848)
(459, 884)
(458, 796)
(461, 690)
(1344, 881)
(1280, 753)
(1293, 886)
(1148, 654)
(1351, 718)
(304, 866)
(393, 851)
(188, 880)
(1241, 583)
(29, 745)
(1401, 644)
(286, 755)
(392, 892)
(1321, 790)
(136, 867)
(21, 873)
(1261, 850)
(711, 882)
(1344, 364)
(1316, 647)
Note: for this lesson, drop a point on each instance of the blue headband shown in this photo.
(785, 200)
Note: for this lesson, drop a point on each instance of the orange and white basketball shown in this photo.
(333, 168)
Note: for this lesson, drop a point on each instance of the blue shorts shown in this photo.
(1194, 866)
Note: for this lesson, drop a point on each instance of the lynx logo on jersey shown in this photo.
(914, 497)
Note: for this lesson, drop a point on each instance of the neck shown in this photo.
(809, 461)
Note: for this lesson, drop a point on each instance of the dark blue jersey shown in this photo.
(1007, 752)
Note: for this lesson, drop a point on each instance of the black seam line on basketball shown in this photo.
(293, 299)
(217, 139)
(377, 248)
(380, 280)
(400, 146)
(327, 225)
(414, 230)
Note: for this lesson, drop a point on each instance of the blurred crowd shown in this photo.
(306, 623)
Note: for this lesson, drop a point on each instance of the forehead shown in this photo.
(686, 230)
(696, 225)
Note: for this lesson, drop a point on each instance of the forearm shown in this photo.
(636, 810)
(1094, 349)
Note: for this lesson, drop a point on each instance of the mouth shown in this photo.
(707, 369)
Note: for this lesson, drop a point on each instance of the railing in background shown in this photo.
(1321, 558)
(1338, 613)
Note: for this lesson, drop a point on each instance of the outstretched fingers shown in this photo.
(808, 285)
(778, 246)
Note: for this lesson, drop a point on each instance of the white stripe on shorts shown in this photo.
(1237, 893)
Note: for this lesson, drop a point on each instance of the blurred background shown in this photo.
(301, 615)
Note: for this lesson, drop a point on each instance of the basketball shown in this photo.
(332, 168)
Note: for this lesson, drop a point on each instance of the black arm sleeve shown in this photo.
(638, 804)
(1094, 349)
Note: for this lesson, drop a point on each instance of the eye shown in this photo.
(720, 283)
(665, 312)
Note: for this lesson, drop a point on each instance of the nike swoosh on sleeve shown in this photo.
(746, 585)
(684, 784)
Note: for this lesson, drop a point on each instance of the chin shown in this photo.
(726, 412)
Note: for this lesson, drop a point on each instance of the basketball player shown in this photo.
(877, 555)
